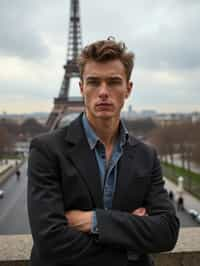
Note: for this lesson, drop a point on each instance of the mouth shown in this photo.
(104, 105)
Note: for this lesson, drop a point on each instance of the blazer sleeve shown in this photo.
(153, 233)
(54, 241)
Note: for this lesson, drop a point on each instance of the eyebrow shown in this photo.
(92, 77)
(106, 78)
(115, 78)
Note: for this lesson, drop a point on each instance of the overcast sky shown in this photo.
(164, 35)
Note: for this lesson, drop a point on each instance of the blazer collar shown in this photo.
(75, 131)
(84, 160)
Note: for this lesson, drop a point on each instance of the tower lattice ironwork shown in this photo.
(64, 104)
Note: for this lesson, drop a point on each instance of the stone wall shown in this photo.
(15, 250)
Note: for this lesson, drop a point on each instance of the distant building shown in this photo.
(148, 113)
(133, 115)
(195, 117)
(176, 118)
(20, 118)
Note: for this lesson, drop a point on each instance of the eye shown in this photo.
(93, 82)
(114, 82)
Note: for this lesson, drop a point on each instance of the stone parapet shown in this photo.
(15, 250)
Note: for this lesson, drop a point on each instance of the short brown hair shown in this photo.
(106, 50)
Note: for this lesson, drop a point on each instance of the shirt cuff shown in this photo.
(94, 228)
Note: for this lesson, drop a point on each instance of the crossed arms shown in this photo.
(82, 220)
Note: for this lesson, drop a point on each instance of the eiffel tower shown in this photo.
(64, 104)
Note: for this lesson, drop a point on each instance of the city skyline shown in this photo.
(163, 36)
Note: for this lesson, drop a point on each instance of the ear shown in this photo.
(129, 88)
(81, 87)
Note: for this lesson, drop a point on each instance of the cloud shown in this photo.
(167, 91)
(163, 34)
(19, 34)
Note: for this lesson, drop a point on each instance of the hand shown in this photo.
(80, 220)
(140, 212)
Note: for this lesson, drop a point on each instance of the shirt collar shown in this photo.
(90, 134)
(93, 138)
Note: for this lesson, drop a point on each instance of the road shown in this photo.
(13, 209)
(186, 220)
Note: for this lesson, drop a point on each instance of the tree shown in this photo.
(140, 127)
(164, 138)
(196, 154)
(196, 148)
(182, 139)
(6, 141)
(32, 127)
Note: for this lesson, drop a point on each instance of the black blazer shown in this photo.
(63, 175)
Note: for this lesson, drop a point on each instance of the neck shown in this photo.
(105, 129)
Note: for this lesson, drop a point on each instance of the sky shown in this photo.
(164, 36)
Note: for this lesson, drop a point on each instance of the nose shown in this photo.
(103, 90)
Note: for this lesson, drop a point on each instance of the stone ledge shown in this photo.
(15, 250)
(15, 247)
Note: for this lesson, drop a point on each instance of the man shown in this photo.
(95, 194)
(18, 173)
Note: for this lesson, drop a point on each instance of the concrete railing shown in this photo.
(15, 250)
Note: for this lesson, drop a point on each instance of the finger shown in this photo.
(140, 212)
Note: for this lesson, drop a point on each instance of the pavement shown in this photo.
(4, 166)
(13, 206)
(10, 168)
(190, 202)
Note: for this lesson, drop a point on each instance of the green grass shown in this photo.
(179, 171)
(11, 157)
(191, 179)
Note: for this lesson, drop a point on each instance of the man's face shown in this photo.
(104, 87)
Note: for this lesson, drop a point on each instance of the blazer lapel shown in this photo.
(84, 160)
(125, 173)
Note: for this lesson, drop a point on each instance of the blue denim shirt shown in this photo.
(107, 170)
